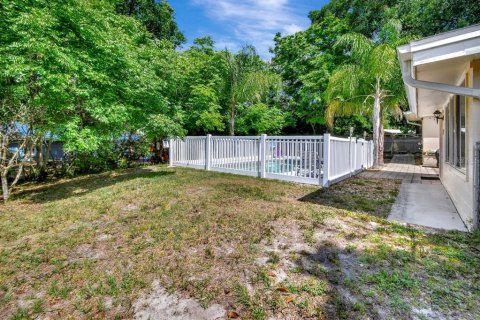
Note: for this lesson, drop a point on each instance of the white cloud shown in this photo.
(293, 28)
(222, 43)
(255, 21)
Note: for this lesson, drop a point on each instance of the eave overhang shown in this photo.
(433, 69)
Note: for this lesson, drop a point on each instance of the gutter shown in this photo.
(413, 123)
(462, 91)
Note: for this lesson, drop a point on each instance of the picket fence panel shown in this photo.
(319, 160)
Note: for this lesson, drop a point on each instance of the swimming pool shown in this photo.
(271, 166)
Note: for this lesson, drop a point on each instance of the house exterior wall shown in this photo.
(430, 135)
(460, 183)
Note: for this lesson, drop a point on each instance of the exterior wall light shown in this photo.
(438, 115)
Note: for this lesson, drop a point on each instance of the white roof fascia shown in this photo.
(452, 50)
(446, 38)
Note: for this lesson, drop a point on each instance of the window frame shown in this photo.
(455, 144)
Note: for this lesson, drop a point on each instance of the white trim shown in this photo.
(453, 55)
(444, 39)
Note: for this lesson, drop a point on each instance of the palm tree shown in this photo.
(370, 83)
(248, 80)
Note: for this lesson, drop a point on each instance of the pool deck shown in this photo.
(422, 199)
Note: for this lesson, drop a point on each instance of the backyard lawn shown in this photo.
(115, 245)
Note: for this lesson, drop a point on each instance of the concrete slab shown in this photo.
(426, 205)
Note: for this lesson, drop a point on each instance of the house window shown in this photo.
(455, 132)
(462, 130)
(447, 135)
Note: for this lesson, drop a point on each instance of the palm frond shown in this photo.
(390, 31)
(254, 86)
(347, 82)
(356, 44)
(342, 108)
(383, 62)
(392, 104)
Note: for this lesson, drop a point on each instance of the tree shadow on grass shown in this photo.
(85, 184)
(327, 264)
(372, 196)
(383, 280)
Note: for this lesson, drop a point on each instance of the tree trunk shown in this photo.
(4, 185)
(232, 118)
(42, 158)
(381, 140)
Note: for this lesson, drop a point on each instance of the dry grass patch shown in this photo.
(371, 196)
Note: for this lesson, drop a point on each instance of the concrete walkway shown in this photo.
(422, 199)
(402, 167)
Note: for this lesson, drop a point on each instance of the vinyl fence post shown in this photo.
(364, 164)
(170, 152)
(263, 155)
(350, 155)
(354, 160)
(326, 160)
(208, 151)
(371, 151)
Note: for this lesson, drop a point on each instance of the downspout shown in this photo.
(462, 91)
(413, 123)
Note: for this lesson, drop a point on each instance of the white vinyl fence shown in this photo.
(320, 160)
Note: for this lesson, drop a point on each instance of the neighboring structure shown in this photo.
(396, 142)
(442, 78)
(56, 151)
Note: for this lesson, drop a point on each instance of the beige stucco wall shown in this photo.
(430, 135)
(459, 184)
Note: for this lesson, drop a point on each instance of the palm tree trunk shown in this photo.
(376, 132)
(381, 144)
(377, 140)
(232, 117)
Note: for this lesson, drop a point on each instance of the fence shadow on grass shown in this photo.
(372, 196)
(85, 184)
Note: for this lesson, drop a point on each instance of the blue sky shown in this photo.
(233, 23)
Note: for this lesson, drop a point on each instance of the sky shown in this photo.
(233, 23)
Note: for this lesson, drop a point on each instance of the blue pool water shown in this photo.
(272, 166)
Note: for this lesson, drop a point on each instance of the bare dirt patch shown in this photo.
(158, 304)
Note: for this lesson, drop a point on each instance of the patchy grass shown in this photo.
(359, 195)
(88, 247)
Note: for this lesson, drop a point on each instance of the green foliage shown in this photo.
(351, 89)
(359, 123)
(368, 83)
(248, 80)
(260, 118)
(419, 18)
(94, 74)
(305, 61)
(157, 17)
(204, 110)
